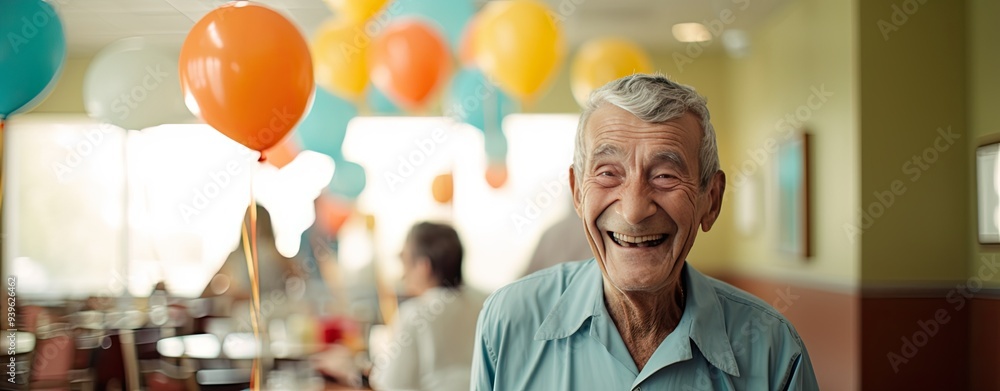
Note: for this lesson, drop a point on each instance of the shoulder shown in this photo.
(439, 300)
(763, 342)
(528, 300)
(735, 299)
(752, 320)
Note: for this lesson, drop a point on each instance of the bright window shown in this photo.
(189, 186)
(499, 227)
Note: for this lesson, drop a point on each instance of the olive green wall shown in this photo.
(801, 67)
(67, 97)
(984, 118)
(912, 89)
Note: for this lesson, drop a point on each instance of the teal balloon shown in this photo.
(449, 15)
(32, 53)
(495, 143)
(474, 100)
(379, 104)
(324, 127)
(348, 179)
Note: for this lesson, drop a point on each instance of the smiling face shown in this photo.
(639, 196)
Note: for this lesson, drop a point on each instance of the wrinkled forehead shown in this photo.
(612, 124)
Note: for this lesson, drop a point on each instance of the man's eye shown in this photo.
(605, 173)
(665, 176)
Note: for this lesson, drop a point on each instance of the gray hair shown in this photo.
(655, 99)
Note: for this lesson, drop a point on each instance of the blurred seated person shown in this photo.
(432, 338)
(230, 290)
(564, 241)
(274, 269)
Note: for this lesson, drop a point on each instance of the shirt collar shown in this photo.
(576, 304)
(702, 322)
(708, 326)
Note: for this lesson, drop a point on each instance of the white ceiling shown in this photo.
(92, 24)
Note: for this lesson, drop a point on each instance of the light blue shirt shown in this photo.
(551, 331)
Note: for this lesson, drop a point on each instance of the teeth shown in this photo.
(636, 239)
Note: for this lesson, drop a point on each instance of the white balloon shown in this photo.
(133, 83)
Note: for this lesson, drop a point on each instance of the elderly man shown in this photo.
(645, 177)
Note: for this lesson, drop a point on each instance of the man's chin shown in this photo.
(638, 276)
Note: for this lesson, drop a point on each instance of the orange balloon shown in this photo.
(496, 175)
(246, 71)
(408, 62)
(443, 188)
(283, 153)
(332, 213)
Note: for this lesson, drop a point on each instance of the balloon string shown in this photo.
(387, 301)
(250, 253)
(257, 379)
(253, 288)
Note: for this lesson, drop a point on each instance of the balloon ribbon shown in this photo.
(250, 253)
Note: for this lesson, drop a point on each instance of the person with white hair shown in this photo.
(644, 179)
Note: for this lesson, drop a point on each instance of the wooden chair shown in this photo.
(53, 357)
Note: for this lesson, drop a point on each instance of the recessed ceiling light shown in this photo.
(691, 32)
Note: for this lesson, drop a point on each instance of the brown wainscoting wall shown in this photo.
(984, 343)
(855, 338)
(827, 321)
(897, 350)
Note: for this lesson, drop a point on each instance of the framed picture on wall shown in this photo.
(794, 198)
(988, 193)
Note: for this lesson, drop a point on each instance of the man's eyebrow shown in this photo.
(606, 150)
(672, 158)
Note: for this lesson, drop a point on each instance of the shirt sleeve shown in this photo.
(397, 367)
(483, 359)
(802, 376)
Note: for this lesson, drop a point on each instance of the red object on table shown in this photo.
(337, 329)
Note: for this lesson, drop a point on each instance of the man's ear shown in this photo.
(576, 191)
(716, 188)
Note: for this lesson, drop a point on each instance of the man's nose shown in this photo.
(635, 204)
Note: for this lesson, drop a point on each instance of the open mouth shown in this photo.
(637, 241)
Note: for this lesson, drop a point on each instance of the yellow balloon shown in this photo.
(519, 45)
(601, 61)
(339, 51)
(356, 10)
